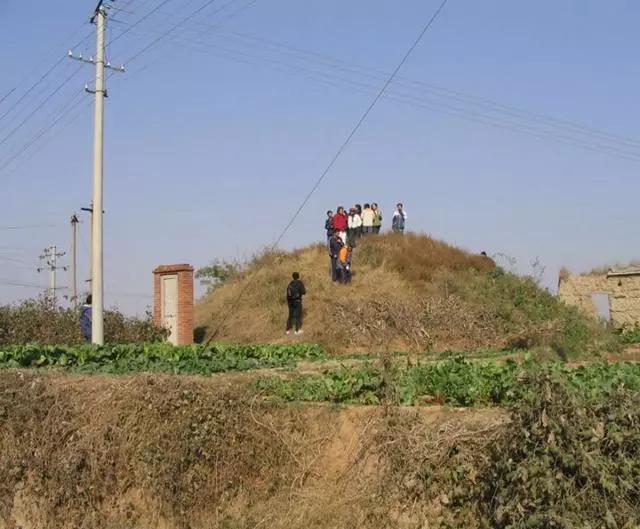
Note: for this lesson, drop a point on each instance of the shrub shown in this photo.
(566, 461)
(44, 322)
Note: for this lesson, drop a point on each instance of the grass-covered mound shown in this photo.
(409, 293)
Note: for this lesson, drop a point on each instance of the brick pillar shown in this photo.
(184, 304)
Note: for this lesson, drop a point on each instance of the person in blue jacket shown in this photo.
(85, 319)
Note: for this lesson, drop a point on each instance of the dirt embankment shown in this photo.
(174, 452)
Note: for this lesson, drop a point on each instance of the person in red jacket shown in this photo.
(340, 224)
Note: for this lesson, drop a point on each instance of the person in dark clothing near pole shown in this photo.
(85, 319)
(334, 250)
(295, 292)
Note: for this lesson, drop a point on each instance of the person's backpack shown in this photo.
(343, 254)
(293, 292)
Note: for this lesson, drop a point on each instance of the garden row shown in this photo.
(457, 382)
(158, 357)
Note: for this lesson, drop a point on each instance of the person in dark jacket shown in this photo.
(334, 250)
(295, 292)
(328, 225)
(85, 319)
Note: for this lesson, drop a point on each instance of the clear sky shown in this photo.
(512, 129)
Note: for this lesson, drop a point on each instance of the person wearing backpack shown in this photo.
(295, 292)
(399, 219)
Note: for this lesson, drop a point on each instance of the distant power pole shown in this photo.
(74, 259)
(50, 256)
(97, 286)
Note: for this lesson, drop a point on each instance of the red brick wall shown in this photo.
(185, 299)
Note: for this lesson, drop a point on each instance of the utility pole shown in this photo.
(99, 18)
(50, 256)
(74, 260)
(90, 210)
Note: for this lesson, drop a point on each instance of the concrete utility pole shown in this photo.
(97, 286)
(74, 260)
(50, 256)
(90, 211)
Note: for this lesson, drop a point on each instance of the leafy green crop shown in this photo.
(158, 357)
(457, 382)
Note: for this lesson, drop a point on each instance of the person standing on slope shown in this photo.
(368, 215)
(340, 224)
(344, 264)
(328, 225)
(399, 219)
(355, 227)
(335, 244)
(377, 218)
(85, 319)
(295, 291)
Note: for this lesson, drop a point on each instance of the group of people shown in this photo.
(344, 230)
(361, 221)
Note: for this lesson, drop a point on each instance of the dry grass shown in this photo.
(400, 287)
(173, 452)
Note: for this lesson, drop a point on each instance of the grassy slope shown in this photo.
(408, 293)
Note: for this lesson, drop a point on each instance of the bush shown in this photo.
(566, 461)
(44, 322)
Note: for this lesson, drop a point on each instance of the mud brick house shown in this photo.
(615, 293)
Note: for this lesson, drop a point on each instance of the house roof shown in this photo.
(625, 271)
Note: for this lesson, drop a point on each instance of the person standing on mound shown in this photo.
(295, 291)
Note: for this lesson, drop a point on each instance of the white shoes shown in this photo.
(298, 333)
(288, 333)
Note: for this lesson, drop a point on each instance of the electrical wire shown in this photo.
(507, 118)
(40, 80)
(28, 227)
(336, 156)
(42, 104)
(170, 30)
(137, 23)
(510, 123)
(7, 95)
(61, 115)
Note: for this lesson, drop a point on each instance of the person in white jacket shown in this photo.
(355, 227)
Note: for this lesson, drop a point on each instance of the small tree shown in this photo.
(217, 273)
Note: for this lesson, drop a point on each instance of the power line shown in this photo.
(44, 131)
(21, 284)
(526, 123)
(339, 152)
(137, 23)
(44, 102)
(171, 30)
(559, 135)
(7, 95)
(40, 80)
(28, 227)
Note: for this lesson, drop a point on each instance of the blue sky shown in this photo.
(512, 129)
